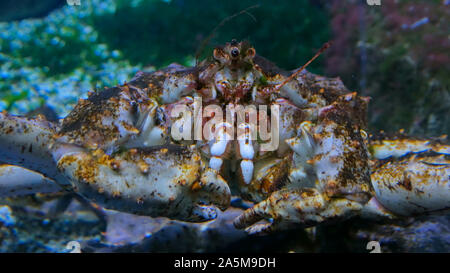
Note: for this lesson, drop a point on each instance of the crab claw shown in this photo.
(420, 184)
(24, 182)
(282, 209)
(299, 208)
(161, 181)
(321, 185)
(26, 142)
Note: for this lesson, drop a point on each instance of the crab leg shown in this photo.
(382, 149)
(25, 142)
(25, 182)
(413, 185)
(28, 182)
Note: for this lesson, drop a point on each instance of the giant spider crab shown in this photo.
(116, 149)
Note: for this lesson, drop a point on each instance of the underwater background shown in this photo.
(53, 53)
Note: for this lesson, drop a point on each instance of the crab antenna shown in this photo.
(321, 50)
(206, 41)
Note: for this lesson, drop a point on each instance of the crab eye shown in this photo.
(235, 52)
